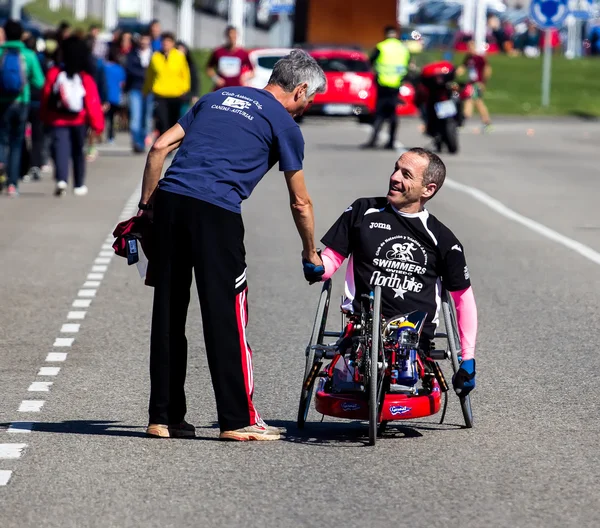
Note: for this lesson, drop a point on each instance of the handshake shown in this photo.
(313, 272)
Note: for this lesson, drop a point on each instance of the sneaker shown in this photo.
(26, 178)
(181, 430)
(12, 191)
(138, 149)
(61, 188)
(259, 431)
(35, 173)
(80, 191)
(46, 169)
(486, 129)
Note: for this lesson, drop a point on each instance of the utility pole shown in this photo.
(186, 22)
(481, 26)
(236, 19)
(468, 17)
(111, 17)
(146, 11)
(80, 9)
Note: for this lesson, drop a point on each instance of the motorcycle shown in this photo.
(441, 100)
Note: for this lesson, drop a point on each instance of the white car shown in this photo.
(263, 60)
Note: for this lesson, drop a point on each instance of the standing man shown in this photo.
(19, 71)
(229, 65)
(167, 79)
(391, 60)
(140, 117)
(227, 142)
(479, 72)
(155, 36)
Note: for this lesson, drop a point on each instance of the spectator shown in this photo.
(140, 107)
(2, 36)
(96, 68)
(226, 64)
(115, 79)
(125, 46)
(529, 42)
(479, 72)
(155, 35)
(70, 101)
(98, 47)
(168, 79)
(32, 158)
(19, 71)
(191, 97)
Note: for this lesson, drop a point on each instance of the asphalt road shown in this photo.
(530, 461)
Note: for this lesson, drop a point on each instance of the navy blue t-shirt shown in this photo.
(232, 139)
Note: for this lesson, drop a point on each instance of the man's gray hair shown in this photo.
(297, 68)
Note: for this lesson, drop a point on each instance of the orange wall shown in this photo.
(349, 21)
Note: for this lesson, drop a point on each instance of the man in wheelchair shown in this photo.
(394, 242)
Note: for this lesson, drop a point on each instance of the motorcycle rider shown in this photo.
(391, 61)
(394, 242)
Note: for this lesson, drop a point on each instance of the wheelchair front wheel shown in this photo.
(316, 338)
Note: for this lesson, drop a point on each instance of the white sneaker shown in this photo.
(80, 191)
(61, 188)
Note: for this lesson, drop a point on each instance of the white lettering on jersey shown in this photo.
(400, 285)
(395, 265)
(466, 271)
(457, 247)
(379, 225)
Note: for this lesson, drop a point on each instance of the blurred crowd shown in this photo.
(66, 92)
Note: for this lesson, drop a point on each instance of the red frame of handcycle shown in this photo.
(395, 407)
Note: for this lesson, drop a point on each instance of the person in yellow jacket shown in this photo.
(167, 79)
(391, 61)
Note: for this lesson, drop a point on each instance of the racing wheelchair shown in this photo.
(379, 369)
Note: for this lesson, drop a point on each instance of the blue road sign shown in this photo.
(282, 6)
(548, 14)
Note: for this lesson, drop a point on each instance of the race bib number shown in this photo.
(230, 66)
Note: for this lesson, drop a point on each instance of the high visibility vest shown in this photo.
(391, 65)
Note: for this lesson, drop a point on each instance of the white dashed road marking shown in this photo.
(40, 386)
(31, 405)
(83, 300)
(11, 450)
(48, 371)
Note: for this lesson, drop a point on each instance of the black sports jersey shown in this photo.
(408, 255)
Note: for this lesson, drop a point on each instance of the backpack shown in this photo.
(13, 72)
(68, 94)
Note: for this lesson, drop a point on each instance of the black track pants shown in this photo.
(194, 235)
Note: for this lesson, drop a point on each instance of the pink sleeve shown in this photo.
(466, 315)
(332, 261)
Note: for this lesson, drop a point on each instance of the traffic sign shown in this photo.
(580, 9)
(548, 14)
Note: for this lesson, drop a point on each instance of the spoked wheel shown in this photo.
(454, 345)
(375, 381)
(312, 368)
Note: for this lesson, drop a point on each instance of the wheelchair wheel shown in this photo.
(454, 345)
(375, 381)
(311, 368)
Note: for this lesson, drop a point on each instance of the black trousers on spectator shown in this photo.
(387, 101)
(67, 145)
(192, 235)
(168, 112)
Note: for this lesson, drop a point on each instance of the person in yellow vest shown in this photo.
(167, 79)
(391, 61)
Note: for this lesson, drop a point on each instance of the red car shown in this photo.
(351, 88)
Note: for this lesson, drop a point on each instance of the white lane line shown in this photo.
(106, 247)
(48, 371)
(102, 260)
(82, 303)
(109, 254)
(40, 386)
(541, 229)
(63, 341)
(95, 276)
(91, 284)
(86, 293)
(100, 269)
(56, 356)
(31, 405)
(12, 450)
(76, 315)
(70, 328)
(5, 475)
(20, 427)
